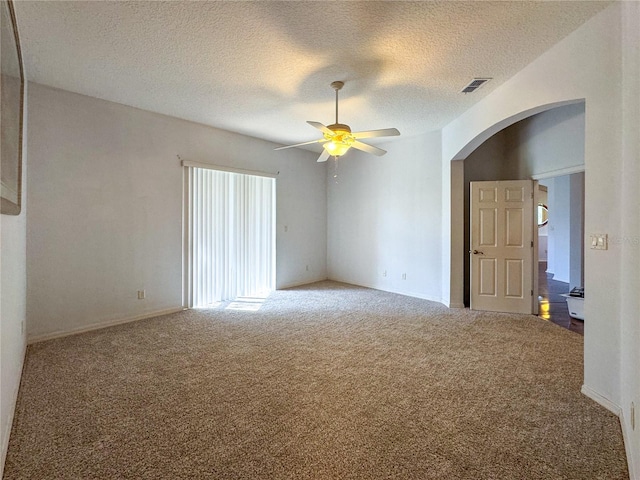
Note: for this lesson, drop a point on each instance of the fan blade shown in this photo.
(385, 132)
(368, 148)
(324, 156)
(303, 143)
(320, 127)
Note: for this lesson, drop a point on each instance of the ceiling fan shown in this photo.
(338, 139)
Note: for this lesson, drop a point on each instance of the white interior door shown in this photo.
(502, 246)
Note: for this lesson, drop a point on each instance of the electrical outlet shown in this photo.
(141, 295)
(384, 274)
(404, 276)
(307, 268)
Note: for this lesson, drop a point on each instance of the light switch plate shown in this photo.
(599, 241)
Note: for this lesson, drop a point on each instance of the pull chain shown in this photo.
(335, 169)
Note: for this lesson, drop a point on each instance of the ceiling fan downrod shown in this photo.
(337, 86)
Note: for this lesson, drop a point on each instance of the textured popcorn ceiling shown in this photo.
(263, 68)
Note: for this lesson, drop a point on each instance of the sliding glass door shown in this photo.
(230, 236)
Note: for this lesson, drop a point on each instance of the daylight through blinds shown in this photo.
(231, 236)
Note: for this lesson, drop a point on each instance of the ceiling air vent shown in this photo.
(475, 84)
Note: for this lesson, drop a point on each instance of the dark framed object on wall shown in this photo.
(12, 111)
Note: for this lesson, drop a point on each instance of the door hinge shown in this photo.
(531, 243)
(532, 293)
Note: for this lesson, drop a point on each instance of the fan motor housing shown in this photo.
(339, 126)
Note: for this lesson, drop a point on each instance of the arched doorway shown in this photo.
(454, 168)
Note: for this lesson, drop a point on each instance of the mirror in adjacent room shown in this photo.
(543, 215)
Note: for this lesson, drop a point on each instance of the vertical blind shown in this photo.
(231, 236)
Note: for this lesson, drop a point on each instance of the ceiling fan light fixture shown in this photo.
(340, 139)
(336, 149)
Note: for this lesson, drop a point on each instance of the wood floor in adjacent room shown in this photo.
(552, 305)
(326, 381)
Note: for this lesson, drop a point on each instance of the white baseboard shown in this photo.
(398, 292)
(99, 325)
(454, 305)
(634, 473)
(373, 287)
(300, 283)
(431, 298)
(604, 401)
(12, 411)
(412, 294)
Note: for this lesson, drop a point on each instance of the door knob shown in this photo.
(478, 252)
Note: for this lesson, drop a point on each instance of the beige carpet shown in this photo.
(326, 381)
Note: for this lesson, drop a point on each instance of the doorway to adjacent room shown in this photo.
(561, 248)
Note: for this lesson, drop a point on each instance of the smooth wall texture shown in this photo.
(559, 195)
(13, 294)
(551, 141)
(576, 230)
(551, 247)
(384, 217)
(629, 241)
(106, 189)
(543, 232)
(585, 65)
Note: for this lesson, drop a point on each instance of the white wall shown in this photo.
(384, 214)
(629, 242)
(551, 250)
(585, 65)
(548, 143)
(106, 209)
(559, 242)
(576, 230)
(13, 292)
(543, 232)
